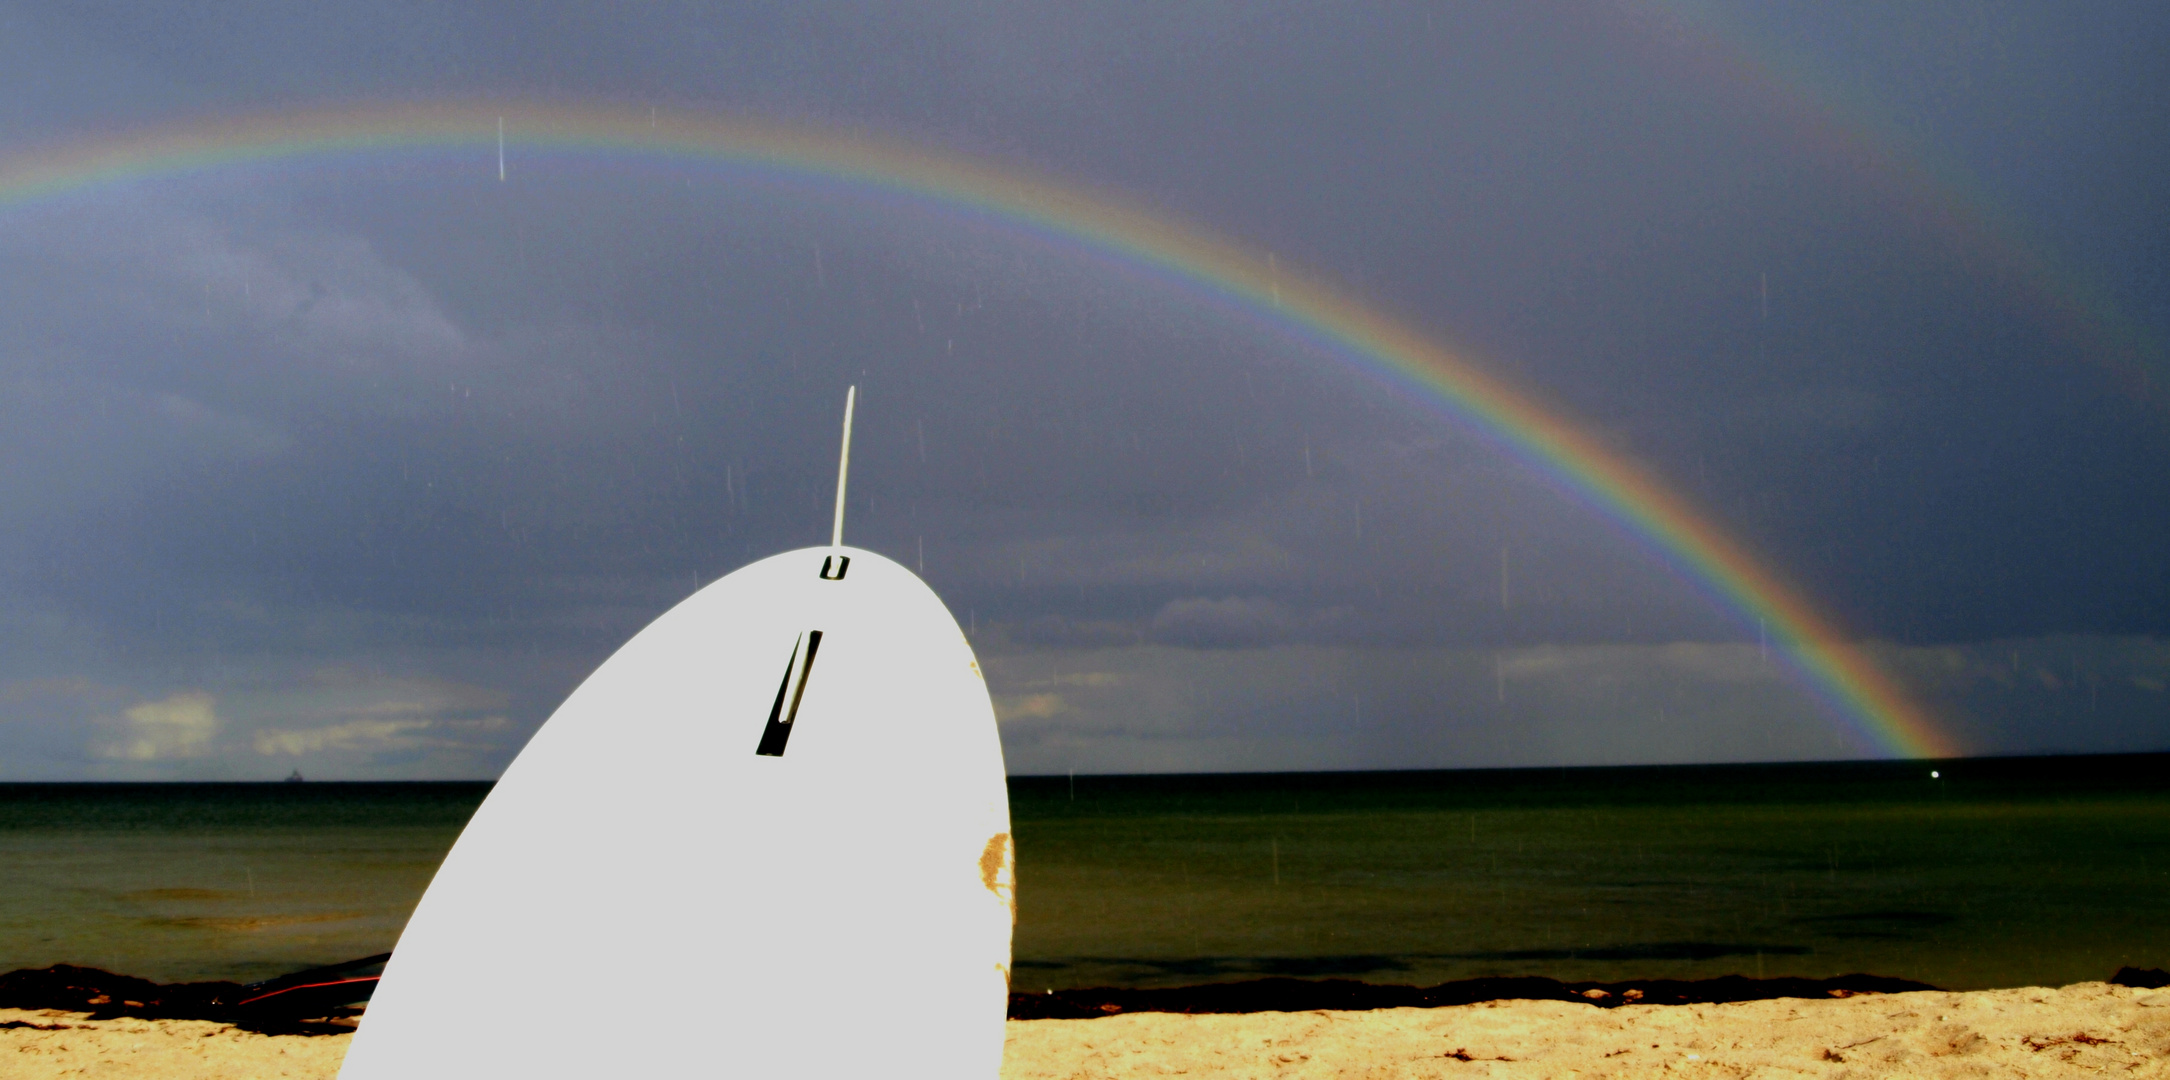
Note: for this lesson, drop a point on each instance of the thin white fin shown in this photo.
(843, 469)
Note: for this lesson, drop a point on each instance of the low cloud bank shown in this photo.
(1157, 707)
(180, 726)
(1190, 695)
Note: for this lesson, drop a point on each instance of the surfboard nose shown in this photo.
(791, 778)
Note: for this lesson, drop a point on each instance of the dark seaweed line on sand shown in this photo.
(105, 995)
(316, 1001)
(1305, 995)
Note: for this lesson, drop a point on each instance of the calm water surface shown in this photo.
(1998, 873)
(216, 881)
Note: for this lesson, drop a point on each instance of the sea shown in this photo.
(1965, 874)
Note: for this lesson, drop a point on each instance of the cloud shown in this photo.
(360, 717)
(1704, 662)
(1223, 553)
(1196, 622)
(1043, 698)
(339, 721)
(1160, 707)
(1027, 707)
(1229, 622)
(180, 726)
(1237, 622)
(333, 289)
(365, 736)
(1058, 630)
(323, 294)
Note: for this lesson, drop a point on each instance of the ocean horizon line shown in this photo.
(1997, 762)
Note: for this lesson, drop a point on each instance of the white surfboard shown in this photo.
(768, 838)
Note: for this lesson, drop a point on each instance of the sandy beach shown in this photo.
(53, 1043)
(2080, 1030)
(2087, 1029)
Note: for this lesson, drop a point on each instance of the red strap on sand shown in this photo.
(308, 986)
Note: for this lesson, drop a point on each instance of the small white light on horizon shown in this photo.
(1932, 774)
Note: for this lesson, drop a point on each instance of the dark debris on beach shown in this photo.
(1305, 995)
(106, 995)
(318, 1001)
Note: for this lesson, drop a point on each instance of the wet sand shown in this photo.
(2087, 1029)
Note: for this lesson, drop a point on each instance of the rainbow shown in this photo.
(1840, 674)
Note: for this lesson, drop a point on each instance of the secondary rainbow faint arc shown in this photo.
(1839, 672)
(1848, 128)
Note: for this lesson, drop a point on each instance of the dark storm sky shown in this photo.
(360, 466)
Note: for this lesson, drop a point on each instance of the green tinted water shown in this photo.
(216, 881)
(2000, 873)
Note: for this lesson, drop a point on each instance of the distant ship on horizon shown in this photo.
(295, 778)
